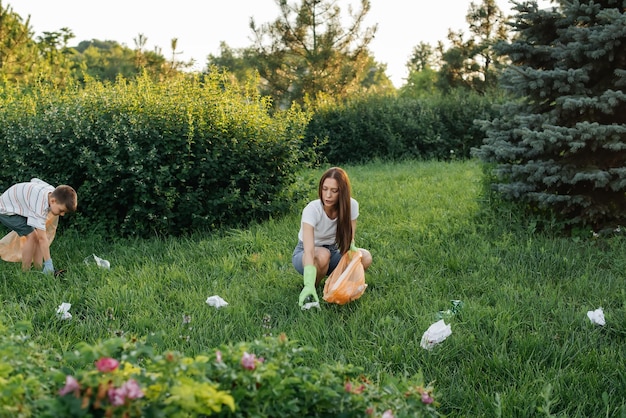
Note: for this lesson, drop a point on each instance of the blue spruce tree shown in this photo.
(560, 142)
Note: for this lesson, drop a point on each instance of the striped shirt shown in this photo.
(29, 200)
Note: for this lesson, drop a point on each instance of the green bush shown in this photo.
(23, 371)
(147, 157)
(392, 128)
(127, 378)
(457, 113)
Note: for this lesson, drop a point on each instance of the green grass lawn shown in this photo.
(521, 344)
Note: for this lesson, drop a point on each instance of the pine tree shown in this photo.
(560, 143)
(471, 63)
(18, 50)
(310, 50)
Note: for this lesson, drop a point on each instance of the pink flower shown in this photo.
(247, 361)
(71, 384)
(388, 414)
(426, 398)
(129, 390)
(107, 364)
(218, 356)
(353, 389)
(117, 396)
(133, 391)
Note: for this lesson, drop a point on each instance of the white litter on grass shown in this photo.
(63, 311)
(310, 305)
(435, 334)
(100, 262)
(596, 317)
(216, 301)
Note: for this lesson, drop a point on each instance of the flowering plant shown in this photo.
(267, 378)
(170, 384)
(104, 388)
(23, 367)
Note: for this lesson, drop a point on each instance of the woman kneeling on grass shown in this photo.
(327, 232)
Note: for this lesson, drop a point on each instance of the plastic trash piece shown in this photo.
(216, 301)
(449, 313)
(597, 316)
(310, 305)
(63, 311)
(100, 262)
(435, 334)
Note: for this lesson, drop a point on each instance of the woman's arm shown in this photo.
(308, 240)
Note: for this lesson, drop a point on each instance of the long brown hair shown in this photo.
(344, 218)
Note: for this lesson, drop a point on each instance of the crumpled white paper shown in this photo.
(100, 262)
(597, 316)
(63, 311)
(310, 305)
(216, 301)
(435, 334)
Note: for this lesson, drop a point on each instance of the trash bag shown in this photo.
(11, 244)
(347, 282)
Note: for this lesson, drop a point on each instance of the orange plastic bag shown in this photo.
(11, 244)
(347, 282)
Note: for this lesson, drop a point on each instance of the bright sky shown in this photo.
(200, 25)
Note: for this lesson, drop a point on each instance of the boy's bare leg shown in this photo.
(28, 251)
(38, 258)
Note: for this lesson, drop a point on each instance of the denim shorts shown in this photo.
(298, 252)
(17, 223)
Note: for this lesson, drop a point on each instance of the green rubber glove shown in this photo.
(309, 284)
(352, 249)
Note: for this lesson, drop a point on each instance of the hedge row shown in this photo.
(184, 155)
(164, 158)
(391, 128)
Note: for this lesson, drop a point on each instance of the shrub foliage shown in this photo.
(392, 128)
(120, 377)
(148, 157)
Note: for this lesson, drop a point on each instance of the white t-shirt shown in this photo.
(324, 228)
(29, 200)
